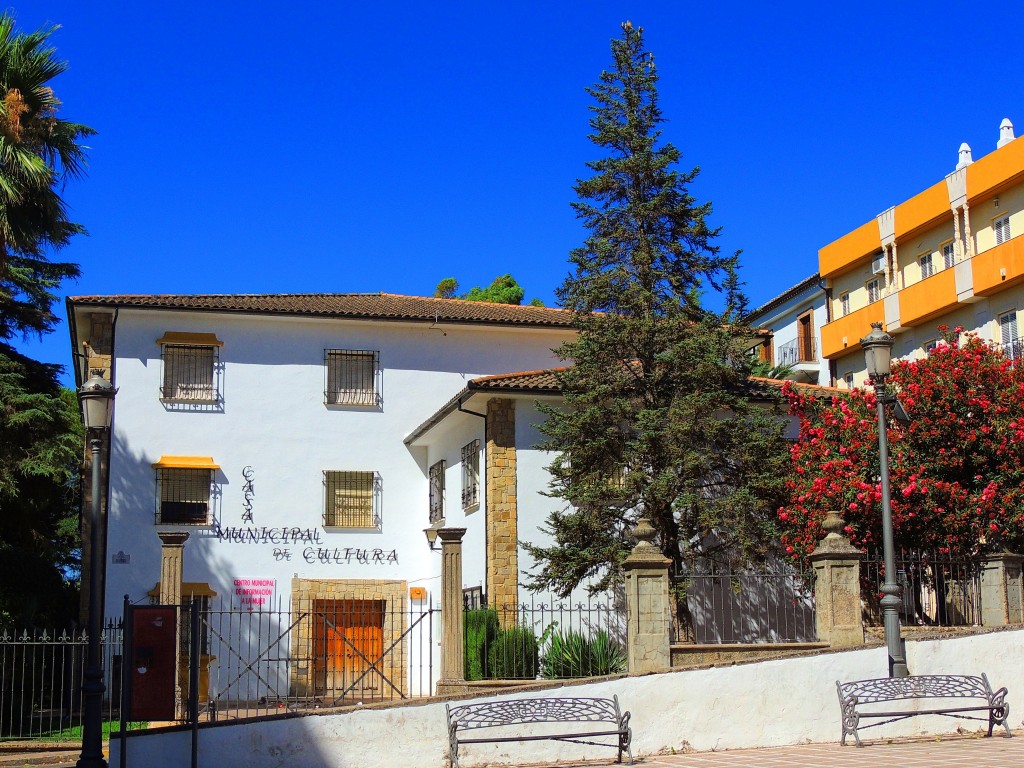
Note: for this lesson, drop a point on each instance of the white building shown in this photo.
(795, 318)
(304, 443)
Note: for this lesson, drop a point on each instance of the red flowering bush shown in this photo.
(956, 471)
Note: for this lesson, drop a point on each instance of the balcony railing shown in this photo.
(1014, 350)
(796, 351)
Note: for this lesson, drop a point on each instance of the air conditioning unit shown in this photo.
(878, 264)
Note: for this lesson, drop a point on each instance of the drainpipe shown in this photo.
(487, 508)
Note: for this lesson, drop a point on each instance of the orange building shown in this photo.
(952, 254)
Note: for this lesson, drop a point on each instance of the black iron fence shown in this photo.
(768, 603)
(937, 589)
(41, 681)
(311, 653)
(541, 639)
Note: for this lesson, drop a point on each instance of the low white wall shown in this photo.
(771, 703)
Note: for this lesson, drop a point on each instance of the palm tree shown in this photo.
(39, 152)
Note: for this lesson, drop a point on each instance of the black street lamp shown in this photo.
(96, 397)
(877, 347)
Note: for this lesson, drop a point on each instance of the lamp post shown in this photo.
(877, 347)
(96, 397)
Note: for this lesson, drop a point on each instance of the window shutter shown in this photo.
(1008, 327)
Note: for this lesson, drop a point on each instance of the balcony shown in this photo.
(999, 268)
(842, 336)
(797, 351)
(1013, 350)
(928, 299)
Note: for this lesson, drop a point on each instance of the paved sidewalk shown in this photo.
(945, 752)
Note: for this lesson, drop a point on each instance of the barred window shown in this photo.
(437, 491)
(183, 496)
(471, 475)
(349, 499)
(351, 377)
(189, 373)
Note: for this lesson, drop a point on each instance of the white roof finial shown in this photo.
(965, 156)
(1005, 133)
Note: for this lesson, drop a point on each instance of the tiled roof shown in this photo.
(533, 381)
(789, 293)
(546, 382)
(376, 306)
(813, 390)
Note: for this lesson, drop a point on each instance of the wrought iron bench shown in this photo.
(492, 722)
(932, 690)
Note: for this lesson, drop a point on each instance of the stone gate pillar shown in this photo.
(648, 608)
(172, 556)
(453, 673)
(837, 587)
(1001, 590)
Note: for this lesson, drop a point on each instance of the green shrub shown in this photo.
(513, 655)
(573, 654)
(608, 655)
(479, 631)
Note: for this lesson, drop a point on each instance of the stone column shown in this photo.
(1001, 590)
(453, 678)
(172, 549)
(648, 608)
(502, 510)
(172, 554)
(837, 587)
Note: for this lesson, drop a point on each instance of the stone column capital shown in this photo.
(173, 538)
(450, 535)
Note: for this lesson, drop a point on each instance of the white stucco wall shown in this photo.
(274, 420)
(773, 703)
(782, 321)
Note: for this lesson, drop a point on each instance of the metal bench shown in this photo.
(492, 722)
(932, 690)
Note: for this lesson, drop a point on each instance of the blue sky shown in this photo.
(258, 147)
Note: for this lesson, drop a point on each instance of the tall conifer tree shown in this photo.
(657, 420)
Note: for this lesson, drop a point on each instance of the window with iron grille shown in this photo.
(437, 491)
(189, 373)
(349, 499)
(183, 496)
(351, 377)
(471, 475)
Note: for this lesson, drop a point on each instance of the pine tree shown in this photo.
(657, 418)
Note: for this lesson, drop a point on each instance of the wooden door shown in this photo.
(348, 637)
(805, 336)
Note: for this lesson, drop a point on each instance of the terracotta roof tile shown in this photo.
(533, 381)
(377, 306)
